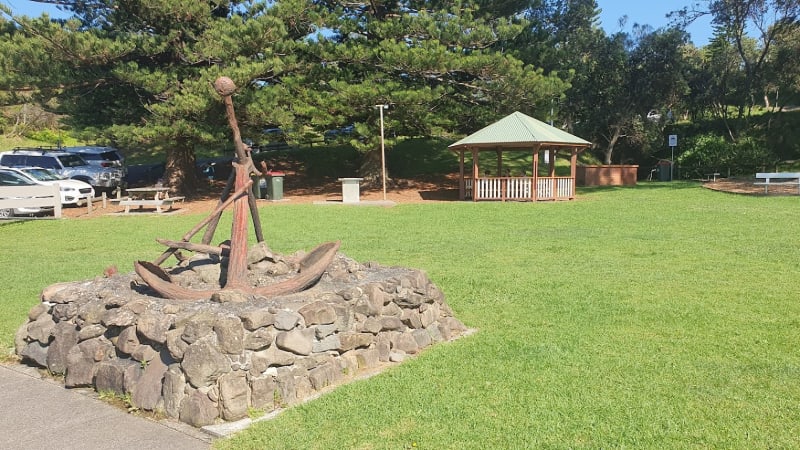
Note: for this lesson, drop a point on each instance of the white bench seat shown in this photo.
(777, 179)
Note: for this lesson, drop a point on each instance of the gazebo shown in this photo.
(517, 132)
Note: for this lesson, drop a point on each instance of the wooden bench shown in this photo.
(777, 179)
(712, 177)
(141, 203)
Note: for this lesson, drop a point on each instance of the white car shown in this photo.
(13, 178)
(73, 192)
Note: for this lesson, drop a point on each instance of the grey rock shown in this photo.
(391, 309)
(144, 353)
(411, 318)
(295, 341)
(65, 336)
(231, 296)
(372, 325)
(286, 320)
(322, 331)
(64, 311)
(422, 338)
(318, 313)
(322, 376)
(230, 335)
(392, 323)
(194, 331)
(173, 392)
(116, 375)
(367, 358)
(204, 364)
(258, 339)
(154, 326)
(127, 341)
(406, 343)
(384, 345)
(175, 344)
(91, 331)
(146, 393)
(35, 352)
(350, 340)
(262, 393)
(198, 410)
(80, 369)
(327, 344)
(37, 311)
(259, 252)
(118, 317)
(233, 393)
(42, 329)
(256, 318)
(397, 356)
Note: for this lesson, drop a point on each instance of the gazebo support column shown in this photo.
(573, 169)
(462, 191)
(475, 172)
(535, 174)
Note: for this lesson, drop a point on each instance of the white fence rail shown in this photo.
(31, 196)
(519, 188)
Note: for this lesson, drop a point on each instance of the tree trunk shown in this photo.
(180, 173)
(370, 169)
(612, 141)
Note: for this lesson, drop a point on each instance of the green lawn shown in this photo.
(662, 316)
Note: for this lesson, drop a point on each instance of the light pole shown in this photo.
(383, 152)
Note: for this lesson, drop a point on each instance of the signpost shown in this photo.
(673, 142)
(383, 152)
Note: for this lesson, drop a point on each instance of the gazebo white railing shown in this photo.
(519, 188)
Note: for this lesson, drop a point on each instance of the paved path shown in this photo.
(37, 413)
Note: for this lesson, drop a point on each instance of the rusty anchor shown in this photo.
(237, 192)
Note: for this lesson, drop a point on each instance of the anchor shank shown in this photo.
(237, 262)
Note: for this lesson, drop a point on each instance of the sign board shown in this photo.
(673, 140)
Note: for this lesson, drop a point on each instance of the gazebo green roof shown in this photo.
(518, 130)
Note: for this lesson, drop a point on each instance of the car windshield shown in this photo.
(12, 179)
(42, 174)
(104, 156)
(72, 160)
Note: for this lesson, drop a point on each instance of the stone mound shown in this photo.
(205, 362)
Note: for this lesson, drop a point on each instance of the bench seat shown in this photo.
(777, 179)
(127, 203)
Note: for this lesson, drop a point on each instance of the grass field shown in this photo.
(662, 316)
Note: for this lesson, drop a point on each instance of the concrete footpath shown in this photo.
(38, 413)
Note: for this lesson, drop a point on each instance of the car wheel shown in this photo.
(6, 213)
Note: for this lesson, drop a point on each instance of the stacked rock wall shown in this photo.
(203, 362)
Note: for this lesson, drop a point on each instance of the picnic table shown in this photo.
(152, 196)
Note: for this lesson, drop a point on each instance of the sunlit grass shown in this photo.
(662, 316)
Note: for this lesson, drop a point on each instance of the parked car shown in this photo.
(339, 133)
(653, 115)
(73, 192)
(100, 156)
(67, 165)
(11, 178)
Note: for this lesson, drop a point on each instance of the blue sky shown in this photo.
(649, 12)
(643, 12)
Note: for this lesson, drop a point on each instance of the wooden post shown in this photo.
(573, 163)
(461, 183)
(475, 172)
(535, 174)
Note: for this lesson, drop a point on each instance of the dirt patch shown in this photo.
(301, 190)
(747, 187)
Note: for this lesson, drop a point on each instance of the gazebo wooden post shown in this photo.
(475, 172)
(535, 174)
(500, 174)
(461, 182)
(573, 170)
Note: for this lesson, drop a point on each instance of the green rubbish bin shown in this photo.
(275, 185)
(259, 187)
(664, 171)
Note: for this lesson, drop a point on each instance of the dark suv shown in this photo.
(68, 165)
